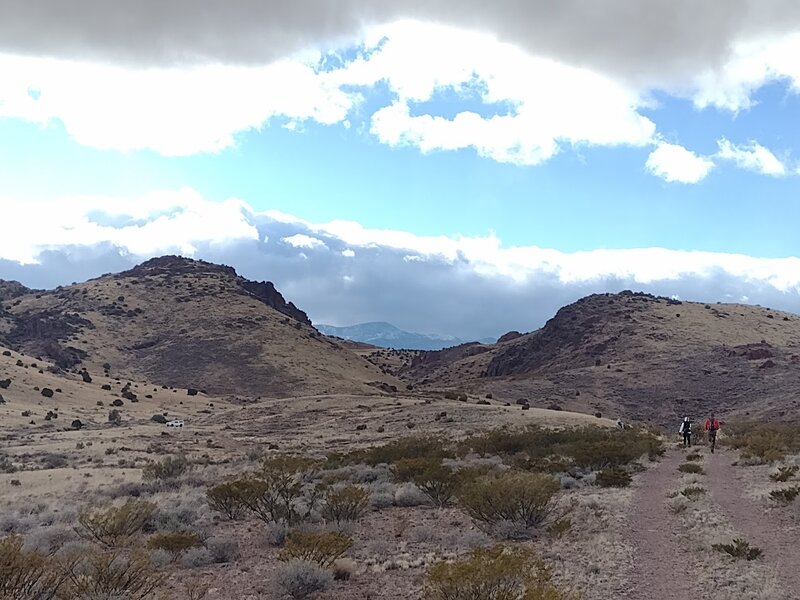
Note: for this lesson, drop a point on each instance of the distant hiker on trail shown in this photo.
(686, 431)
(711, 426)
(620, 424)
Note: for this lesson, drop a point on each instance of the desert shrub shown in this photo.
(343, 569)
(690, 468)
(169, 468)
(346, 504)
(408, 447)
(174, 542)
(114, 526)
(613, 477)
(226, 498)
(99, 575)
(559, 527)
(198, 556)
(273, 500)
(276, 534)
(299, 579)
(322, 548)
(693, 456)
(161, 419)
(767, 442)
(497, 573)
(48, 540)
(52, 460)
(738, 548)
(26, 575)
(783, 474)
(586, 447)
(223, 549)
(408, 494)
(115, 417)
(692, 492)
(527, 499)
(785, 495)
(6, 466)
(438, 482)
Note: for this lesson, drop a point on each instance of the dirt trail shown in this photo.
(771, 530)
(662, 567)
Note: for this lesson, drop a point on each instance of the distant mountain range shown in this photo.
(386, 335)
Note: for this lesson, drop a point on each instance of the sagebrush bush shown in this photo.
(692, 492)
(103, 574)
(26, 575)
(613, 477)
(738, 548)
(527, 499)
(784, 473)
(408, 447)
(785, 495)
(6, 466)
(299, 579)
(226, 498)
(690, 468)
(174, 542)
(497, 573)
(322, 548)
(438, 482)
(767, 442)
(114, 526)
(168, 468)
(693, 456)
(347, 504)
(587, 447)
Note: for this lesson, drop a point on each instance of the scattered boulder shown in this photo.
(769, 364)
(526, 407)
(47, 392)
(105, 387)
(758, 354)
(77, 424)
(117, 402)
(191, 392)
(361, 427)
(2, 400)
(483, 402)
(4, 383)
(86, 377)
(158, 419)
(6, 352)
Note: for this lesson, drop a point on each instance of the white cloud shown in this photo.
(173, 111)
(751, 64)
(752, 157)
(548, 103)
(348, 253)
(304, 241)
(674, 163)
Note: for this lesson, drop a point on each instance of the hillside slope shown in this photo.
(186, 323)
(638, 356)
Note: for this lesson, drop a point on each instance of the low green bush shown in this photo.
(321, 548)
(174, 542)
(613, 477)
(525, 499)
(497, 573)
(690, 468)
(784, 473)
(738, 548)
(114, 526)
(785, 495)
(438, 482)
(347, 504)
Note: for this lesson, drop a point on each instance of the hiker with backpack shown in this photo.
(686, 431)
(711, 426)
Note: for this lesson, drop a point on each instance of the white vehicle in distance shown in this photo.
(175, 423)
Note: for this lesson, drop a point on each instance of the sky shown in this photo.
(461, 168)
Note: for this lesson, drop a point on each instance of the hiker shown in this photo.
(620, 424)
(711, 426)
(686, 431)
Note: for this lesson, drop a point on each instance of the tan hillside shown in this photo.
(640, 357)
(185, 323)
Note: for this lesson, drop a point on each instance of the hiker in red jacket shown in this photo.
(711, 426)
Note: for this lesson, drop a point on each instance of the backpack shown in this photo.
(712, 425)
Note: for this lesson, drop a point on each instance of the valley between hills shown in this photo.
(392, 454)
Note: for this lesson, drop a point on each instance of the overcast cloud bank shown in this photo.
(342, 273)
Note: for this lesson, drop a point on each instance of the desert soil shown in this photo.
(665, 566)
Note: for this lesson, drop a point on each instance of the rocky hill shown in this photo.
(184, 323)
(637, 356)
